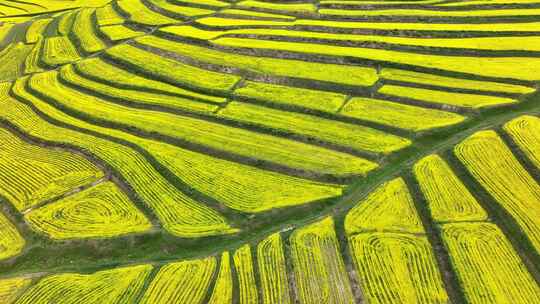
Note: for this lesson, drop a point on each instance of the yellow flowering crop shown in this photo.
(11, 241)
(119, 285)
(100, 211)
(466, 100)
(11, 288)
(487, 265)
(340, 133)
(58, 50)
(279, 94)
(448, 198)
(140, 13)
(494, 166)
(273, 270)
(319, 269)
(351, 75)
(399, 115)
(203, 132)
(525, 131)
(243, 263)
(31, 174)
(390, 207)
(397, 268)
(181, 282)
(83, 30)
(181, 215)
(223, 287)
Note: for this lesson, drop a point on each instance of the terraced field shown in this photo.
(269, 151)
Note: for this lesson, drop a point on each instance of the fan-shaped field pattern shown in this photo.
(389, 207)
(397, 268)
(210, 279)
(267, 151)
(41, 174)
(100, 211)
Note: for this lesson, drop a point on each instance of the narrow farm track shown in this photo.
(219, 151)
